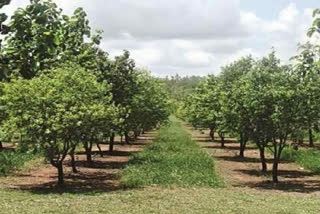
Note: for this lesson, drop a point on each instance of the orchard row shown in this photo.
(60, 90)
(262, 101)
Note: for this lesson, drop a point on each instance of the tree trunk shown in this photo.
(1, 146)
(243, 144)
(275, 169)
(311, 144)
(89, 156)
(222, 139)
(127, 138)
(211, 134)
(111, 143)
(136, 134)
(88, 148)
(263, 160)
(60, 174)
(73, 161)
(100, 150)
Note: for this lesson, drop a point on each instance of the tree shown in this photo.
(308, 75)
(234, 112)
(273, 101)
(122, 77)
(150, 105)
(256, 99)
(203, 107)
(52, 110)
(41, 37)
(286, 113)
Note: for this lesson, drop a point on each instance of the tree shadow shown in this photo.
(226, 141)
(244, 159)
(101, 175)
(204, 140)
(113, 153)
(226, 147)
(208, 140)
(281, 173)
(99, 164)
(79, 183)
(296, 186)
(296, 183)
(8, 149)
(141, 143)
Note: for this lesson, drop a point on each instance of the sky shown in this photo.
(194, 37)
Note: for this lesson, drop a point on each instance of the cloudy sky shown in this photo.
(195, 37)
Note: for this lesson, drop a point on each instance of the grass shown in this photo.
(12, 161)
(306, 158)
(160, 200)
(172, 159)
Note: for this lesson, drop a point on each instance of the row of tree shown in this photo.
(61, 91)
(262, 101)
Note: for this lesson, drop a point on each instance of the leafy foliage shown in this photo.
(40, 36)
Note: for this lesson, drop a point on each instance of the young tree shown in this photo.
(204, 107)
(308, 75)
(122, 77)
(234, 113)
(150, 105)
(256, 98)
(286, 113)
(52, 110)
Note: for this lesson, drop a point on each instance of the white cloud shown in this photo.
(190, 37)
(283, 33)
(289, 14)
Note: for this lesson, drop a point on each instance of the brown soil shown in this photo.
(99, 176)
(246, 172)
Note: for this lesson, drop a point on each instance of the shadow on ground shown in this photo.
(293, 186)
(101, 175)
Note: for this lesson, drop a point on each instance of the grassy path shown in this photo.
(172, 159)
(161, 198)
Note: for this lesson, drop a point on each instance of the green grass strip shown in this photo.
(306, 158)
(172, 159)
(11, 161)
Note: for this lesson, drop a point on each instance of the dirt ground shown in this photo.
(246, 172)
(100, 176)
(103, 174)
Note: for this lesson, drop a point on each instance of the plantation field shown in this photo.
(166, 195)
(218, 125)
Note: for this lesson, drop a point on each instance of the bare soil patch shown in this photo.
(100, 176)
(246, 172)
